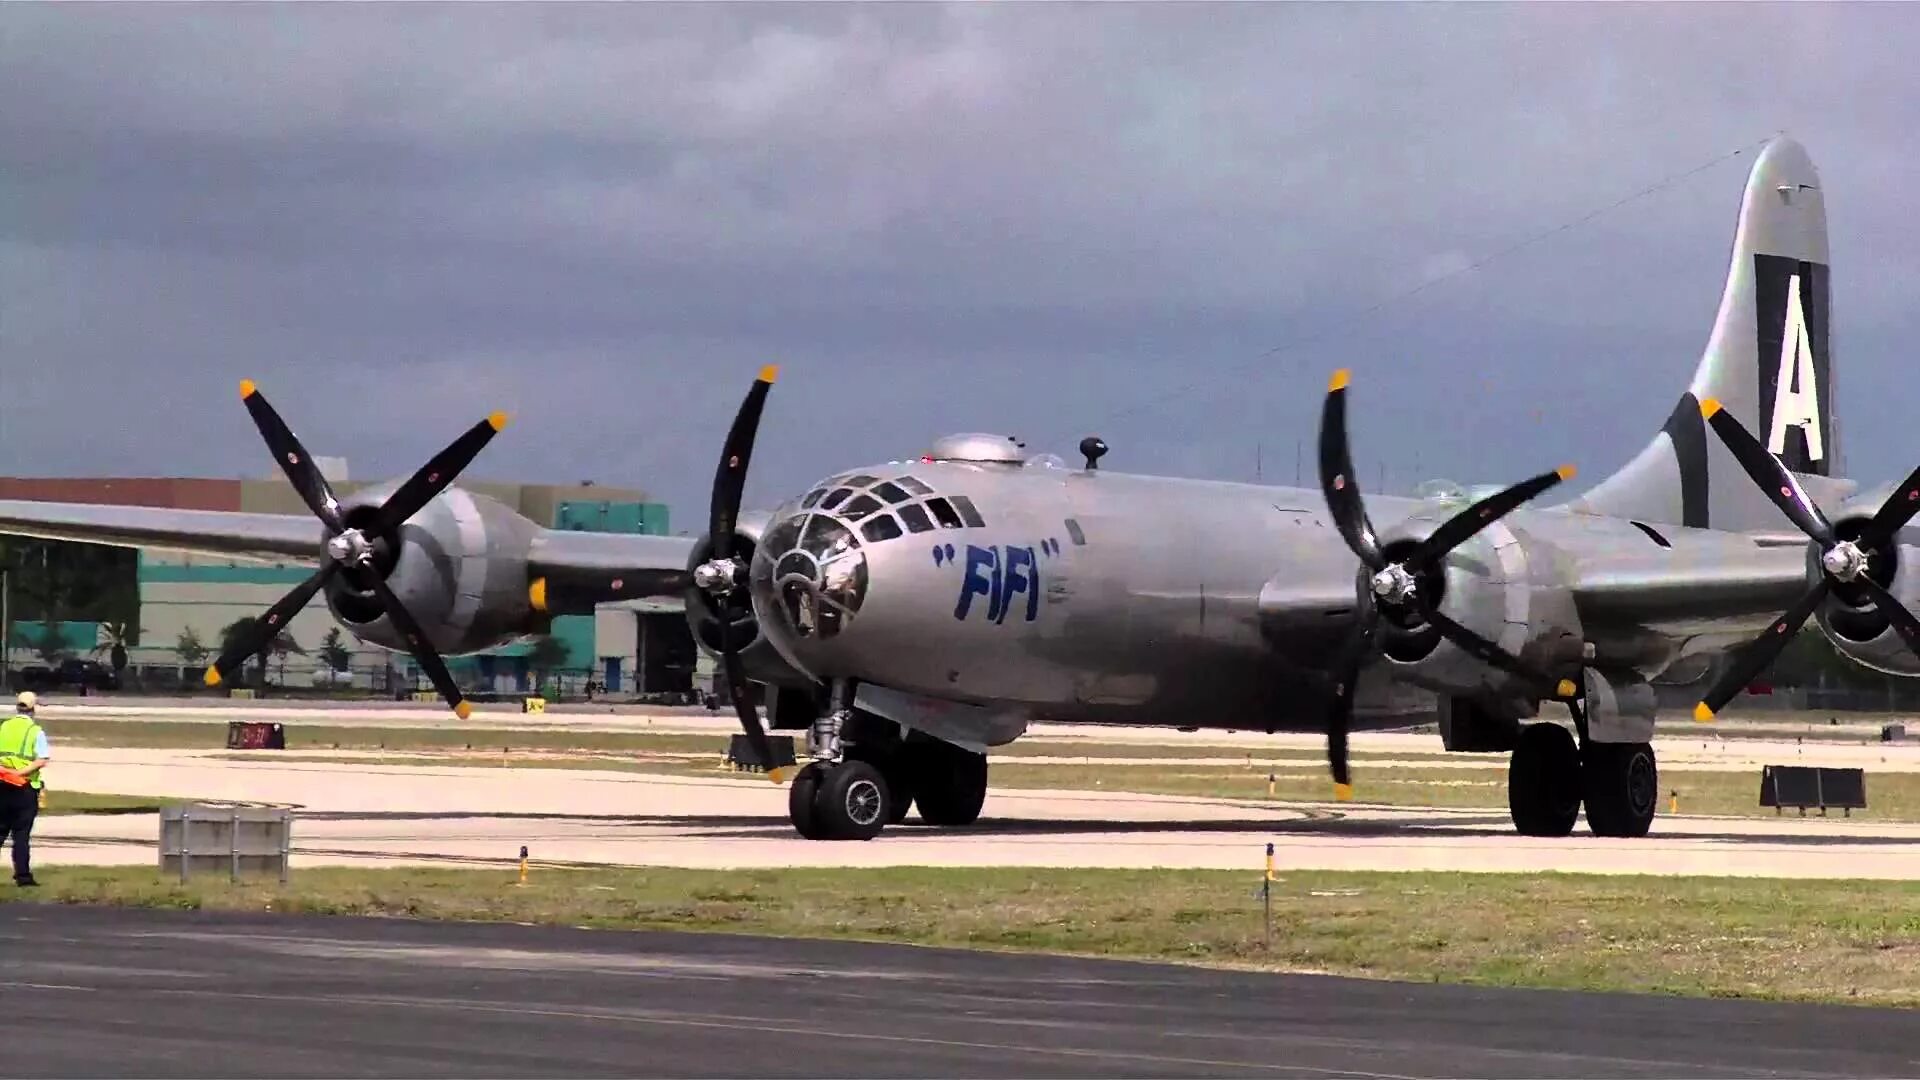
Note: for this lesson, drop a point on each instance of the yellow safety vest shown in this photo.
(18, 737)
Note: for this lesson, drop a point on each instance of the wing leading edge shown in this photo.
(221, 533)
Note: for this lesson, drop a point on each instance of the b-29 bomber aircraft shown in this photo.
(912, 616)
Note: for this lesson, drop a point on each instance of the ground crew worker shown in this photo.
(23, 753)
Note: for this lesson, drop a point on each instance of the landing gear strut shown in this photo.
(864, 776)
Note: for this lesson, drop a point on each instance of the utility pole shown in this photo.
(1256, 463)
(1296, 463)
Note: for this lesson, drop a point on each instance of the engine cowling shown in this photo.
(1492, 587)
(459, 565)
(1848, 616)
(761, 660)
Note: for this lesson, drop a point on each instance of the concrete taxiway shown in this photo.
(96, 992)
(365, 814)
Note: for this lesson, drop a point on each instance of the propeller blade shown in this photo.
(1767, 471)
(1893, 514)
(1903, 621)
(743, 704)
(1337, 481)
(1461, 526)
(1760, 652)
(421, 648)
(1488, 653)
(730, 480)
(1346, 674)
(434, 477)
(268, 626)
(292, 458)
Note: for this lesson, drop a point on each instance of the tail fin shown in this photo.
(1768, 362)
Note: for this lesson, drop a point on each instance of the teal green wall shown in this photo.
(170, 574)
(78, 637)
(617, 517)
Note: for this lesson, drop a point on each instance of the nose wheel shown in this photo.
(844, 800)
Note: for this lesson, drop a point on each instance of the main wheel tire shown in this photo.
(950, 784)
(1622, 782)
(851, 803)
(801, 800)
(1543, 781)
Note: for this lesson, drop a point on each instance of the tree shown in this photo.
(237, 632)
(52, 645)
(333, 651)
(545, 655)
(191, 652)
(281, 645)
(114, 642)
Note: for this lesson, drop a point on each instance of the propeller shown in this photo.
(352, 551)
(724, 577)
(1844, 563)
(1402, 588)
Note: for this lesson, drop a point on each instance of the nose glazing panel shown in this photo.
(817, 576)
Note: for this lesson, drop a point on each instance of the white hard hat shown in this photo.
(26, 701)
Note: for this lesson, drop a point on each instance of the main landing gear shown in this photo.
(864, 776)
(1551, 776)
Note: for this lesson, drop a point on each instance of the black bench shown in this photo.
(1782, 786)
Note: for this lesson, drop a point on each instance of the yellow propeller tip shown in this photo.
(537, 594)
(1566, 472)
(463, 710)
(1702, 714)
(1709, 407)
(212, 677)
(1343, 792)
(497, 421)
(769, 373)
(1566, 688)
(1339, 380)
(247, 389)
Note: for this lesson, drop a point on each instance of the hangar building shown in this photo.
(632, 647)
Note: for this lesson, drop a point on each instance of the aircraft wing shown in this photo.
(220, 533)
(610, 565)
(580, 567)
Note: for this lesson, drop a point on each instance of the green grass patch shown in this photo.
(1846, 941)
(93, 802)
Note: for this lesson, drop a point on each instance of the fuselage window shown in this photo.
(916, 519)
(1073, 533)
(967, 513)
(912, 484)
(943, 513)
(812, 497)
(860, 507)
(892, 492)
(839, 496)
(880, 528)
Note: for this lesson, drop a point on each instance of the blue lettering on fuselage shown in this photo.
(998, 573)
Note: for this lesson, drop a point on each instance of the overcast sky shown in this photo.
(1163, 224)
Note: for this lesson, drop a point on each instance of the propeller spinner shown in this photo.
(352, 551)
(1404, 586)
(1844, 563)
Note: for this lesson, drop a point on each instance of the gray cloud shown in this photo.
(1047, 219)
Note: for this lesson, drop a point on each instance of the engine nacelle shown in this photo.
(1848, 616)
(763, 662)
(1492, 586)
(459, 566)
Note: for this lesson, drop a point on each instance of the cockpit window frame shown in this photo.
(968, 513)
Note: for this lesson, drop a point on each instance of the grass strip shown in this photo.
(1841, 941)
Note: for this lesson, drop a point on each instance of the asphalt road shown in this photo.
(110, 992)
